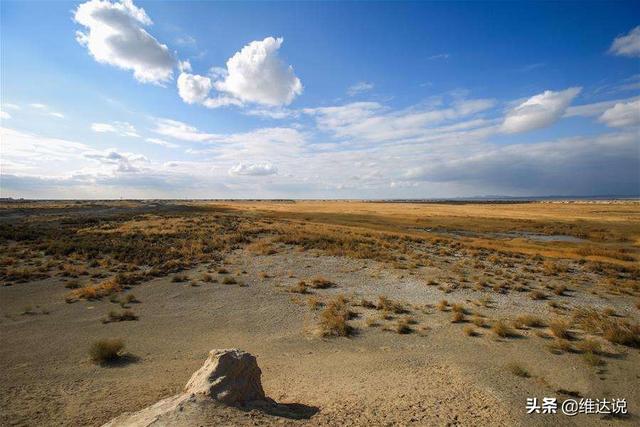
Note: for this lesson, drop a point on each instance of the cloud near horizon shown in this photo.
(539, 111)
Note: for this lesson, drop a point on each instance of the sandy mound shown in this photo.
(231, 377)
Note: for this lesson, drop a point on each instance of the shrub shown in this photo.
(389, 305)
(106, 350)
(457, 317)
(527, 320)
(322, 283)
(207, 278)
(560, 328)
(180, 278)
(501, 329)
(443, 305)
(518, 370)
(115, 316)
(537, 295)
(314, 303)
(229, 281)
(403, 326)
(470, 331)
(560, 290)
(299, 288)
(333, 319)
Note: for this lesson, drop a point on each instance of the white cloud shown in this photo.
(256, 74)
(115, 36)
(44, 109)
(440, 56)
(622, 115)
(123, 162)
(372, 121)
(162, 142)
(120, 128)
(4, 115)
(359, 88)
(253, 169)
(627, 45)
(192, 88)
(539, 111)
(9, 106)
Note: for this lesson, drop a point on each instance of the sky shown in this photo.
(108, 99)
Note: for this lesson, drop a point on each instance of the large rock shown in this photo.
(228, 376)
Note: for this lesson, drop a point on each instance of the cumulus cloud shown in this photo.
(257, 74)
(161, 142)
(115, 35)
(4, 115)
(627, 45)
(253, 169)
(359, 88)
(539, 111)
(622, 115)
(119, 128)
(192, 88)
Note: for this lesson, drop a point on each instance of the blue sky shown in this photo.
(319, 100)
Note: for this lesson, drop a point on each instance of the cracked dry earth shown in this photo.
(435, 375)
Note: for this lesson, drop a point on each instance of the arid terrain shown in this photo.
(359, 313)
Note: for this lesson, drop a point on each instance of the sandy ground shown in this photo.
(434, 376)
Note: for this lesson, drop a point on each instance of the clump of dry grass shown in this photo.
(589, 345)
(333, 319)
(403, 326)
(527, 320)
(229, 281)
(518, 370)
(470, 331)
(299, 288)
(502, 329)
(321, 282)
(554, 268)
(537, 295)
(179, 278)
(592, 359)
(479, 321)
(223, 270)
(106, 351)
(123, 316)
(91, 292)
(314, 303)
(614, 330)
(558, 346)
(262, 247)
(207, 278)
(559, 290)
(442, 305)
(560, 329)
(389, 305)
(457, 317)
(367, 304)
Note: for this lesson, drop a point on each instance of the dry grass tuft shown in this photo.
(228, 280)
(503, 330)
(527, 320)
(123, 316)
(403, 326)
(299, 288)
(470, 331)
(442, 305)
(106, 351)
(457, 317)
(389, 305)
(333, 319)
(518, 370)
(320, 282)
(560, 329)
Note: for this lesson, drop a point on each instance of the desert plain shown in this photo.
(359, 313)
